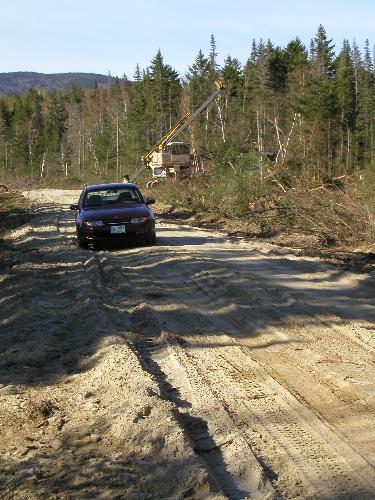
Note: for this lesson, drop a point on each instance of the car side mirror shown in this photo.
(74, 207)
(150, 201)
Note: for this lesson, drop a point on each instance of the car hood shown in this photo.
(121, 213)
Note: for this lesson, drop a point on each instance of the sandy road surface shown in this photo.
(204, 367)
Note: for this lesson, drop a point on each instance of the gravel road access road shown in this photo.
(204, 367)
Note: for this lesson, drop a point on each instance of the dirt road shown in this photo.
(204, 367)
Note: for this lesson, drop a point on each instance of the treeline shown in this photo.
(309, 112)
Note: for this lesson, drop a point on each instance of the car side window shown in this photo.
(80, 198)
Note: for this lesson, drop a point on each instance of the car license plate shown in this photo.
(118, 229)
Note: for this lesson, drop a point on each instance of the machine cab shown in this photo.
(174, 157)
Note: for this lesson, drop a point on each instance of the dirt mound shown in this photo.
(145, 321)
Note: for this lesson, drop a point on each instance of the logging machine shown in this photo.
(168, 158)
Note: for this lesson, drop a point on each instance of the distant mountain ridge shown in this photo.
(20, 81)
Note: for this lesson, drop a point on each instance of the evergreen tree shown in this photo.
(322, 106)
(137, 74)
(198, 86)
(254, 52)
(55, 126)
(165, 94)
(213, 56)
(322, 54)
(278, 66)
(357, 63)
(345, 90)
(232, 76)
(365, 121)
(296, 54)
(36, 140)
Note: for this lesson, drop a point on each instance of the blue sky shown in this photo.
(53, 36)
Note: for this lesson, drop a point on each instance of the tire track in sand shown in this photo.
(308, 456)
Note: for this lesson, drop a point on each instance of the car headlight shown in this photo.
(139, 220)
(93, 223)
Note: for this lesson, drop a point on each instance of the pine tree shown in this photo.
(232, 76)
(165, 94)
(20, 118)
(296, 54)
(213, 55)
(357, 63)
(55, 126)
(322, 106)
(254, 52)
(36, 140)
(278, 66)
(345, 91)
(322, 54)
(198, 89)
(198, 85)
(365, 121)
(137, 74)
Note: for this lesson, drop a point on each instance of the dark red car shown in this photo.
(113, 213)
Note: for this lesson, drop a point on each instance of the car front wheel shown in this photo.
(150, 238)
(82, 243)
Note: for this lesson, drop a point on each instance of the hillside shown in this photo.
(21, 81)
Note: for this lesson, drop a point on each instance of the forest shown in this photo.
(292, 114)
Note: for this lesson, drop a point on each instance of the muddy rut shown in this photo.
(204, 367)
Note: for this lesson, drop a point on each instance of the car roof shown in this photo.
(95, 187)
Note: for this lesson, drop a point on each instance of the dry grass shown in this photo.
(332, 220)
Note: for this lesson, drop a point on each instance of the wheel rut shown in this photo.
(288, 438)
(210, 446)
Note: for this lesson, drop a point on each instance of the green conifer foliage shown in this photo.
(346, 96)
(311, 112)
(165, 90)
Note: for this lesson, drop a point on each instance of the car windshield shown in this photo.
(112, 196)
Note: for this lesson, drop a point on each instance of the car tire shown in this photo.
(82, 243)
(150, 238)
(96, 245)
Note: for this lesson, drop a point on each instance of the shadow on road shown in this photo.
(56, 300)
